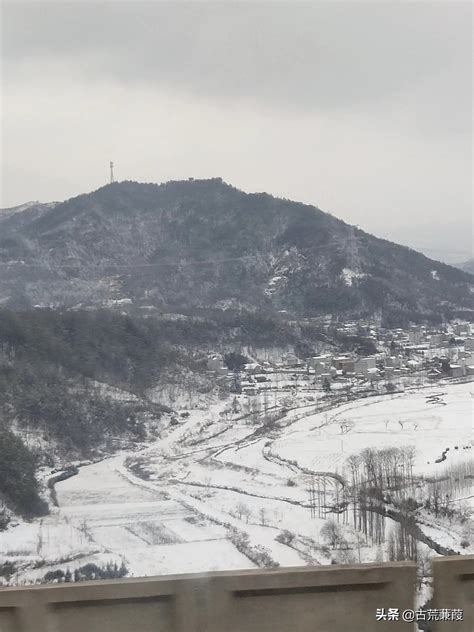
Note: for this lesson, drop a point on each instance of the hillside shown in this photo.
(74, 385)
(78, 384)
(204, 244)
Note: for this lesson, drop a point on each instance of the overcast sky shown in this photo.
(363, 109)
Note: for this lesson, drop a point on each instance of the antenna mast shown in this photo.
(111, 172)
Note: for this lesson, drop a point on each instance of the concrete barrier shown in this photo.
(142, 605)
(453, 579)
(309, 599)
(322, 599)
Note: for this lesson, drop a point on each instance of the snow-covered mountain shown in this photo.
(205, 244)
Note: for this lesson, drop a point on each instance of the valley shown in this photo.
(219, 492)
(196, 378)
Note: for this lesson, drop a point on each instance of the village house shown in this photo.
(461, 329)
(320, 364)
(363, 365)
(389, 372)
(216, 364)
(344, 364)
(253, 367)
(434, 340)
(456, 370)
(291, 360)
(414, 364)
(373, 374)
(394, 362)
(415, 335)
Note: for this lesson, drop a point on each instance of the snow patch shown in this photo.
(349, 275)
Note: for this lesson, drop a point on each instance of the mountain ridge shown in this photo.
(206, 244)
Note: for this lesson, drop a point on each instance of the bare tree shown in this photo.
(332, 533)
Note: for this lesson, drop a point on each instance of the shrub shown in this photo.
(331, 532)
(285, 537)
(7, 569)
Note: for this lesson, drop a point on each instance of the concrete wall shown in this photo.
(145, 605)
(453, 579)
(322, 599)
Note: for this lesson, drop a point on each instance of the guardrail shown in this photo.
(308, 599)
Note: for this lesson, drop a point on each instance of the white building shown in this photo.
(320, 364)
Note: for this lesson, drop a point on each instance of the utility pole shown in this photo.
(111, 172)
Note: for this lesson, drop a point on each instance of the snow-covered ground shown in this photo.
(221, 491)
(431, 420)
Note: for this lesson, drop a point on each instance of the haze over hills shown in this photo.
(466, 266)
(201, 244)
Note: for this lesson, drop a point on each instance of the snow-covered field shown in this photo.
(220, 488)
(430, 419)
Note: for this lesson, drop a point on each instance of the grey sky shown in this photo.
(363, 109)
